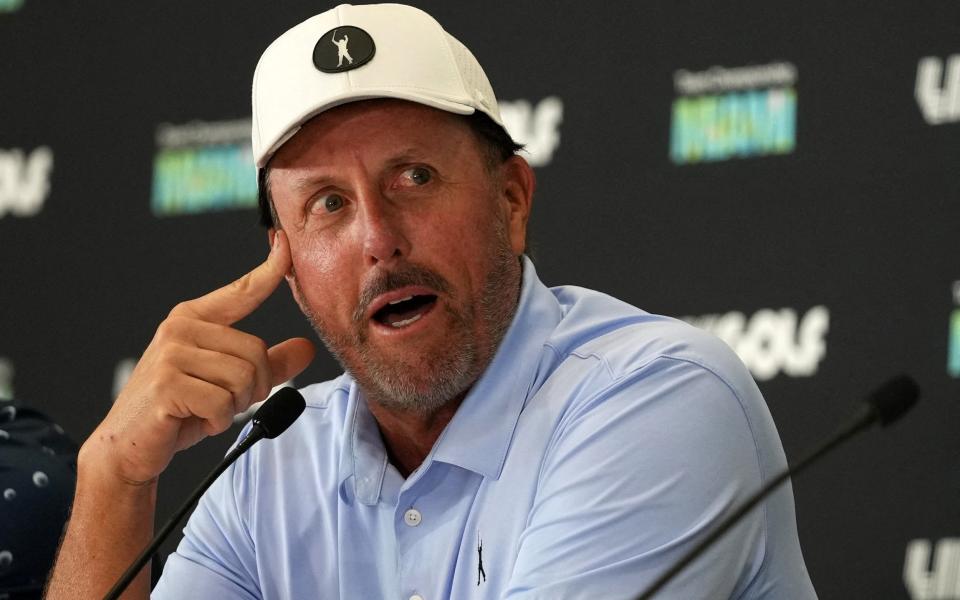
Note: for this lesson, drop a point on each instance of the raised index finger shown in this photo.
(236, 300)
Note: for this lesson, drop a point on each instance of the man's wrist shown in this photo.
(100, 467)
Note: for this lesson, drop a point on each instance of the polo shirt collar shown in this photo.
(478, 436)
(363, 454)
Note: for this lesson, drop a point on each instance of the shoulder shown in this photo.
(322, 397)
(612, 360)
(326, 409)
(624, 339)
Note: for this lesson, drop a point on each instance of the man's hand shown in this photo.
(196, 374)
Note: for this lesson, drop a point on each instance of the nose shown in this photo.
(382, 230)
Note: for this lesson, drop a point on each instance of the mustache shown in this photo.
(387, 281)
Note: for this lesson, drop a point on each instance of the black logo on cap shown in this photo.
(342, 49)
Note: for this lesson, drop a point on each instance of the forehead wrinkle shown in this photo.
(430, 151)
(314, 177)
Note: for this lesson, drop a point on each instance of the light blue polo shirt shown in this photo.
(600, 444)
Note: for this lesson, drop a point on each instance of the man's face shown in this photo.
(404, 243)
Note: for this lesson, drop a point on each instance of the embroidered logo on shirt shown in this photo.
(480, 571)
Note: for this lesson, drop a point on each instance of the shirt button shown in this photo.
(416, 597)
(412, 518)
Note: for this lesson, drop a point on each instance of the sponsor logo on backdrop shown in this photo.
(537, 127)
(953, 335)
(938, 89)
(208, 166)
(203, 167)
(740, 112)
(773, 341)
(24, 180)
(6, 379)
(933, 573)
(7, 6)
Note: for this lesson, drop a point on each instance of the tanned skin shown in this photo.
(413, 187)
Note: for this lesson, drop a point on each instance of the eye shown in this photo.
(329, 203)
(418, 175)
(333, 202)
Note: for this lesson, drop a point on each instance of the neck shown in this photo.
(409, 436)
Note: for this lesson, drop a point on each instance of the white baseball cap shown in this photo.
(354, 53)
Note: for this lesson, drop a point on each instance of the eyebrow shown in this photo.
(406, 156)
(310, 182)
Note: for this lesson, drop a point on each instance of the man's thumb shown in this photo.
(289, 358)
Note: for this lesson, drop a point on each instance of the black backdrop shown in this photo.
(809, 213)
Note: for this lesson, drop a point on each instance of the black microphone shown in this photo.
(272, 419)
(885, 405)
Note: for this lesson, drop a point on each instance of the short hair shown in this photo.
(494, 140)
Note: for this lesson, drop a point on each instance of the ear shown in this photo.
(291, 275)
(518, 183)
(271, 233)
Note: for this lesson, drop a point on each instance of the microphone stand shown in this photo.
(272, 419)
(887, 404)
(256, 434)
(841, 436)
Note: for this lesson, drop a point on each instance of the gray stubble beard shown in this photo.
(453, 372)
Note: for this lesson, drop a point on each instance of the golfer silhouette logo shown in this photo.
(343, 48)
(342, 52)
(480, 571)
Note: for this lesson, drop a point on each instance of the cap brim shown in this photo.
(296, 123)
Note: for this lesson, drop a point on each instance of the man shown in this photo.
(491, 437)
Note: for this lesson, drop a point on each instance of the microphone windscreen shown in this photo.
(894, 398)
(279, 412)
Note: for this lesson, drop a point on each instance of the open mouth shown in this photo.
(405, 311)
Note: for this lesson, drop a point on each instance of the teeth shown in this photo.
(406, 322)
(401, 300)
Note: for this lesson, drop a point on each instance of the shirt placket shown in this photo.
(414, 527)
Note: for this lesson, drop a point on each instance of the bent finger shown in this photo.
(227, 340)
(289, 358)
(236, 375)
(203, 409)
